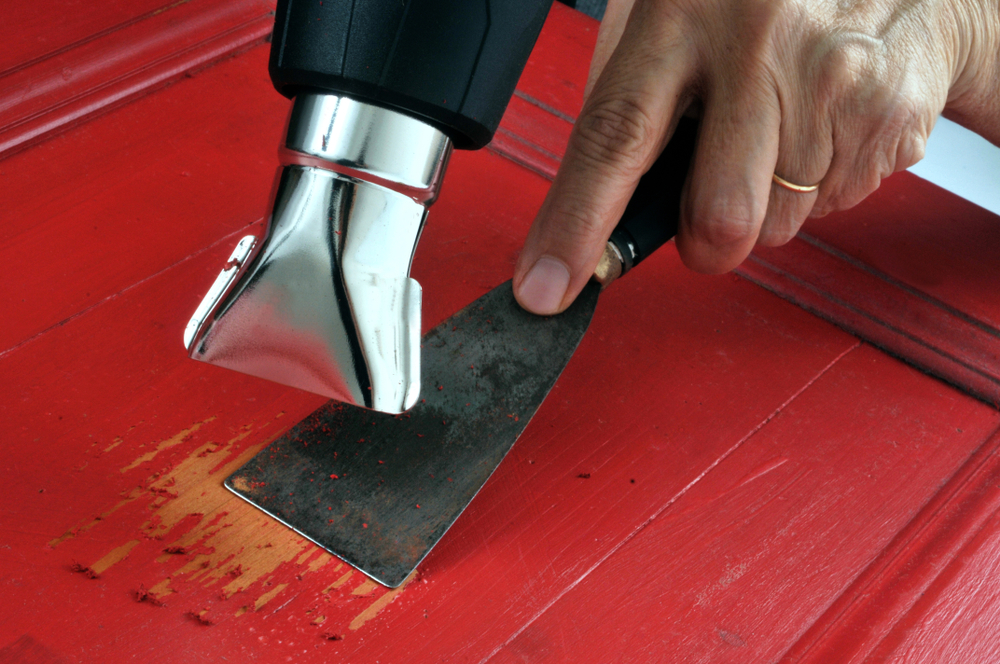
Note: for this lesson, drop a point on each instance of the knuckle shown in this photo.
(846, 68)
(911, 148)
(724, 227)
(847, 195)
(579, 225)
(776, 235)
(613, 132)
(904, 134)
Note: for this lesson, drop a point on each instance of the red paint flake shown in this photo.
(218, 517)
(334, 477)
(364, 525)
(330, 636)
(584, 476)
(86, 571)
(418, 505)
(143, 595)
(440, 387)
(199, 618)
(208, 451)
(449, 479)
(236, 573)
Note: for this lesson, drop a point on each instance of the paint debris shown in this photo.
(200, 618)
(86, 571)
(143, 595)
(330, 636)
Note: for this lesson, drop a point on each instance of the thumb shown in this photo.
(623, 127)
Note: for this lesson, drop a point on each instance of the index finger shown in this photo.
(624, 125)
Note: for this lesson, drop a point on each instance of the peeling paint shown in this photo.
(379, 604)
(268, 596)
(205, 535)
(115, 556)
(173, 441)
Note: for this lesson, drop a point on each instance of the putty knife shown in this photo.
(380, 490)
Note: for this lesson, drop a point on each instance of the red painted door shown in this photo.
(720, 475)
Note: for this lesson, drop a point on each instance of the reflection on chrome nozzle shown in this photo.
(326, 303)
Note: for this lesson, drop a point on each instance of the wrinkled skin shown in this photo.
(817, 91)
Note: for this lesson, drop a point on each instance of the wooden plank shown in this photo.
(737, 567)
(930, 595)
(957, 617)
(912, 270)
(556, 73)
(925, 332)
(70, 63)
(535, 128)
(166, 191)
(926, 239)
(44, 27)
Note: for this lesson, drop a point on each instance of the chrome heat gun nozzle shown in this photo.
(324, 302)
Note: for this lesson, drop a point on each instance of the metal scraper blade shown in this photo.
(380, 490)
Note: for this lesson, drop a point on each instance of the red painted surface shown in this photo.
(536, 126)
(47, 26)
(913, 269)
(761, 484)
(744, 560)
(64, 64)
(930, 596)
(165, 192)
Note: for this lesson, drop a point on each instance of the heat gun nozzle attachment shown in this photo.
(325, 302)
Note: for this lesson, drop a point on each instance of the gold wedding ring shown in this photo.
(791, 186)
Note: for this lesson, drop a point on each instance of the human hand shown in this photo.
(837, 93)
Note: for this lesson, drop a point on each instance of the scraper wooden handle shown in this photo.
(653, 213)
